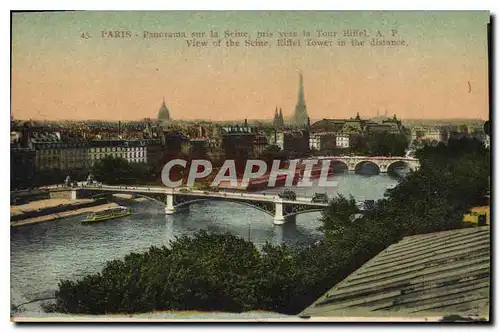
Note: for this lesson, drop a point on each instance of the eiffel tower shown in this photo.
(300, 115)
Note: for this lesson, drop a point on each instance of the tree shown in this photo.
(279, 279)
(339, 214)
(206, 272)
(386, 144)
(359, 145)
(487, 128)
(116, 170)
(112, 170)
(271, 153)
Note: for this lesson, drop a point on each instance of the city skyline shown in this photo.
(56, 75)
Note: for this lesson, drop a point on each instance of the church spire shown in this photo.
(276, 120)
(300, 114)
(301, 89)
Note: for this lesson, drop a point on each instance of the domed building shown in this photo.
(163, 113)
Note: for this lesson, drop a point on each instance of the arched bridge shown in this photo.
(383, 163)
(281, 210)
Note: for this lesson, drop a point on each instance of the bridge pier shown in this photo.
(279, 218)
(170, 209)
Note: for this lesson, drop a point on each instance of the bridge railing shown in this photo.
(194, 192)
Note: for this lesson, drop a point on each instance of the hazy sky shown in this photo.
(57, 74)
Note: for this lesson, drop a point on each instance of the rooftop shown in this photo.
(437, 274)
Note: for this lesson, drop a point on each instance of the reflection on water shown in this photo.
(43, 254)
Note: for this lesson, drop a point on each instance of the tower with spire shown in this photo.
(163, 113)
(300, 116)
(278, 118)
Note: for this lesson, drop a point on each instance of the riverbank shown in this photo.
(26, 214)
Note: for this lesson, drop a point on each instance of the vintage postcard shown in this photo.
(292, 166)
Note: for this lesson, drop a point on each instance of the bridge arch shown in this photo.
(304, 211)
(337, 165)
(360, 164)
(137, 195)
(401, 162)
(255, 206)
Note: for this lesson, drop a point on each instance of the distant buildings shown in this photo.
(442, 133)
(64, 156)
(237, 141)
(342, 141)
(163, 113)
(260, 144)
(330, 134)
(176, 142)
(22, 164)
(430, 134)
(278, 120)
(276, 138)
(38, 147)
(40, 152)
(296, 143)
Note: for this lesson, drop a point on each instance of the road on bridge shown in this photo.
(214, 194)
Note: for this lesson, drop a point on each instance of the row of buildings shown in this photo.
(78, 145)
(330, 134)
(36, 149)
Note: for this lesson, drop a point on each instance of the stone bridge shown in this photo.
(175, 200)
(383, 163)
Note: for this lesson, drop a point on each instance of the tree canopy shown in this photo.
(380, 144)
(227, 273)
(116, 170)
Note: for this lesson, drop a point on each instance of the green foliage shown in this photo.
(380, 144)
(339, 214)
(278, 279)
(487, 128)
(450, 181)
(227, 273)
(115, 170)
(271, 153)
(207, 272)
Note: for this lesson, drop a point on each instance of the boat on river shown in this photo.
(112, 213)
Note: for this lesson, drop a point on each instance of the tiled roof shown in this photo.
(436, 274)
(328, 125)
(44, 137)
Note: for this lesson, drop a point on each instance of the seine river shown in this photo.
(42, 254)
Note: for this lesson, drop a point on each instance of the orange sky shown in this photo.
(58, 75)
